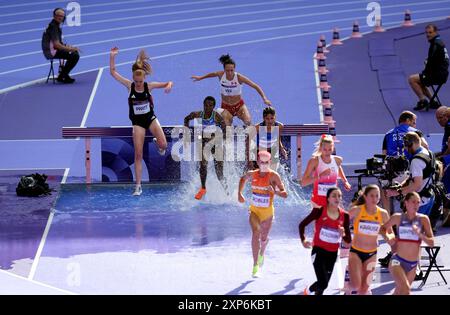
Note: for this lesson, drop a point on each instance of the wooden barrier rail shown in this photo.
(120, 132)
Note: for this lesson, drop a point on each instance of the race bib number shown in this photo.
(323, 188)
(141, 109)
(407, 233)
(369, 228)
(329, 235)
(260, 200)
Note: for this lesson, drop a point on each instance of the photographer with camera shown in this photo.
(393, 147)
(422, 169)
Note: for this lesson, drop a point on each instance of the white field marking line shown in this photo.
(197, 38)
(201, 28)
(18, 86)
(318, 91)
(37, 282)
(31, 168)
(35, 140)
(83, 6)
(41, 245)
(91, 98)
(193, 11)
(44, 236)
(66, 174)
(185, 20)
(5, 90)
(162, 6)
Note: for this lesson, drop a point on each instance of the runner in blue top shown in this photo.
(210, 120)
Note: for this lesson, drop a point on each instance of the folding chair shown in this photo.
(47, 48)
(432, 266)
(52, 71)
(435, 93)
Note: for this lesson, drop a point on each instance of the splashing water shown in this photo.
(216, 194)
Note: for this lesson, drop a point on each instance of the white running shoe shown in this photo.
(137, 190)
(161, 152)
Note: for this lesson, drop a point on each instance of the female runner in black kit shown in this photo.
(140, 103)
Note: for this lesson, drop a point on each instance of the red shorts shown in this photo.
(233, 109)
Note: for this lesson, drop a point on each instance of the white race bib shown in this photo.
(323, 188)
(407, 233)
(329, 235)
(369, 227)
(141, 109)
(260, 200)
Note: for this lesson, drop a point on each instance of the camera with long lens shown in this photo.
(386, 167)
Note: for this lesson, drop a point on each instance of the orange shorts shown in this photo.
(233, 109)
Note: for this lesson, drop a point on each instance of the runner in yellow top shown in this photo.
(265, 185)
(367, 221)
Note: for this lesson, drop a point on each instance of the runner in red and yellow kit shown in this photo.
(265, 185)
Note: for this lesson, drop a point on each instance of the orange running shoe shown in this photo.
(200, 193)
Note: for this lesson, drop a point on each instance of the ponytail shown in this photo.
(226, 60)
(142, 65)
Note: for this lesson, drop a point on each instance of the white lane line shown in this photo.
(44, 236)
(83, 6)
(28, 4)
(221, 46)
(91, 98)
(179, 20)
(141, 17)
(115, 39)
(220, 16)
(207, 27)
(203, 38)
(38, 283)
(141, 9)
(219, 8)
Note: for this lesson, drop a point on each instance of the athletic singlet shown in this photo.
(209, 124)
(140, 103)
(326, 232)
(261, 199)
(321, 186)
(367, 224)
(230, 87)
(267, 139)
(405, 231)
